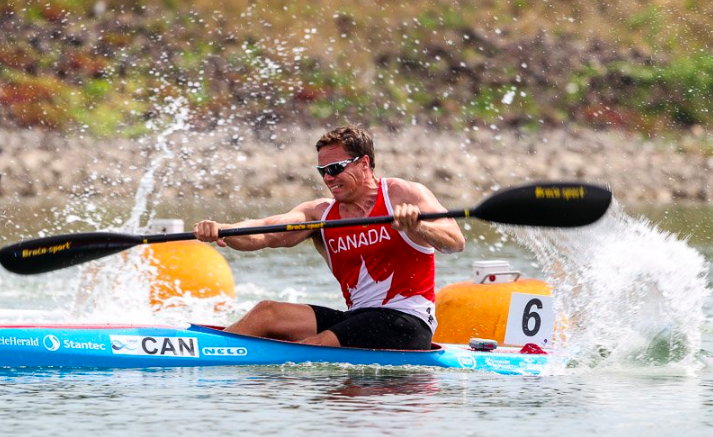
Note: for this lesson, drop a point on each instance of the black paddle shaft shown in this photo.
(561, 205)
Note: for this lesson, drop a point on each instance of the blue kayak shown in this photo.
(130, 346)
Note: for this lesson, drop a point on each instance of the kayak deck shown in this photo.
(138, 346)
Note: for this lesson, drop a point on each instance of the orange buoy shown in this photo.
(188, 268)
(496, 305)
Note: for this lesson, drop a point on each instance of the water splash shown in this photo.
(178, 112)
(118, 289)
(629, 294)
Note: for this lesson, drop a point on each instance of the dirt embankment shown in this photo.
(101, 69)
(459, 168)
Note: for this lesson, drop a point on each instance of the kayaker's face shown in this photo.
(351, 176)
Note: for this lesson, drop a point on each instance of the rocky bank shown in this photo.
(459, 168)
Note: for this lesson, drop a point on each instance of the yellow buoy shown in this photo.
(187, 268)
(497, 305)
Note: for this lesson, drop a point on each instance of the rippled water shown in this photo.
(318, 400)
(619, 397)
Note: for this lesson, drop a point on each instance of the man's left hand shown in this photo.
(406, 217)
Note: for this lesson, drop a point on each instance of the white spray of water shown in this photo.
(178, 112)
(117, 289)
(630, 294)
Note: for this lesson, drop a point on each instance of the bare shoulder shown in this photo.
(313, 209)
(403, 191)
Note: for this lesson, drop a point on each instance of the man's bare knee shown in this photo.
(281, 320)
(265, 309)
(259, 321)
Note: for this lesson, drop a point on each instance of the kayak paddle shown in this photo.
(560, 205)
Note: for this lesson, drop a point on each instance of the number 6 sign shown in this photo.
(530, 320)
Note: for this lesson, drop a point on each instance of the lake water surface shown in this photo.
(642, 297)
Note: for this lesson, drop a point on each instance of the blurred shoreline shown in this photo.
(457, 167)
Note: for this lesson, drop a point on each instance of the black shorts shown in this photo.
(375, 328)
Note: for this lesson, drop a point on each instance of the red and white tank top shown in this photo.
(380, 267)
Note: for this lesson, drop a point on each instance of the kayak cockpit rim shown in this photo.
(219, 330)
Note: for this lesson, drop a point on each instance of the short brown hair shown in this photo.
(355, 140)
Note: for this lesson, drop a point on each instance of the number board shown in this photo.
(530, 320)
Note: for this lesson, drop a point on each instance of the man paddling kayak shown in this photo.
(386, 271)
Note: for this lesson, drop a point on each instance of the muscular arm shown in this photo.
(408, 200)
(207, 230)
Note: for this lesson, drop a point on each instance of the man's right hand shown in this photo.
(207, 231)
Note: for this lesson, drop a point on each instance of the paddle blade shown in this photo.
(561, 205)
(53, 253)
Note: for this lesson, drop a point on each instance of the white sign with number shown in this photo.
(530, 320)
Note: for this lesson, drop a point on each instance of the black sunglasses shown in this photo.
(335, 168)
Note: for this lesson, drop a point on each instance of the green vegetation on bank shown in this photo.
(104, 66)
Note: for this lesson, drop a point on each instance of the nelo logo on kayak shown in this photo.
(186, 347)
(225, 351)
